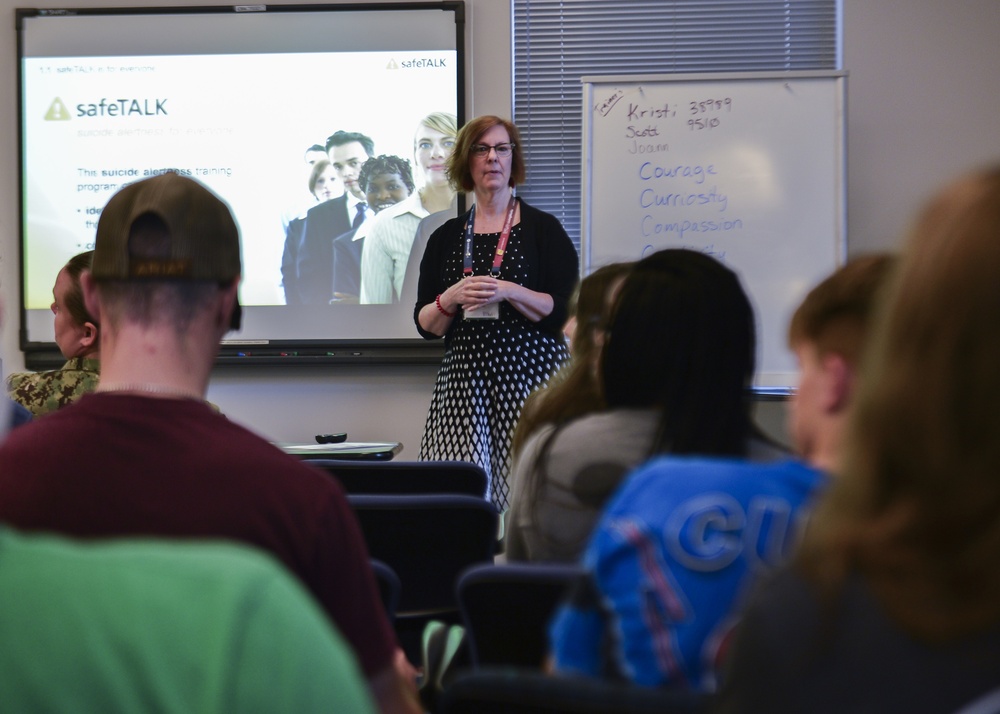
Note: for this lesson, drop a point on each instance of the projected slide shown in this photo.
(239, 123)
(234, 98)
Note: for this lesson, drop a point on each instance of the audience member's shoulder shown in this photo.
(25, 386)
(151, 557)
(249, 444)
(533, 444)
(150, 570)
(762, 449)
(598, 424)
(32, 430)
(784, 606)
(683, 475)
(15, 379)
(218, 617)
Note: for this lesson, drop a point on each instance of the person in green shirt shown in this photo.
(142, 625)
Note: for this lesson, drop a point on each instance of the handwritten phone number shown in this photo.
(699, 124)
(711, 105)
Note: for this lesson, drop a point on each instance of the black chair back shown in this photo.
(506, 610)
(428, 541)
(406, 477)
(388, 587)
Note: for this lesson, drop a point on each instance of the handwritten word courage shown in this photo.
(650, 172)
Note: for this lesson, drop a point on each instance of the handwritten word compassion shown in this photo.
(651, 227)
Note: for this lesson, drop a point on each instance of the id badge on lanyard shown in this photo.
(492, 310)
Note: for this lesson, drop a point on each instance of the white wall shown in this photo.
(921, 107)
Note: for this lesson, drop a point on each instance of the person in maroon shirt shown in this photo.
(145, 455)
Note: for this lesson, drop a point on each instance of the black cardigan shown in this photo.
(554, 265)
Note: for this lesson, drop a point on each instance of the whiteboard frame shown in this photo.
(839, 78)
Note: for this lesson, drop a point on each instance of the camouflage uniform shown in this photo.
(44, 392)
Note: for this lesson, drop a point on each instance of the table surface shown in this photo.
(353, 450)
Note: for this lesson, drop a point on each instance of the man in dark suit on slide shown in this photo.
(313, 284)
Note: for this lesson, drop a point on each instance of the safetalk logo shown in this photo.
(57, 111)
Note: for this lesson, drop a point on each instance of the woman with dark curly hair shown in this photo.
(387, 181)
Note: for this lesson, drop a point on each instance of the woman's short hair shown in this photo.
(74, 296)
(386, 164)
(317, 170)
(459, 163)
(682, 339)
(916, 509)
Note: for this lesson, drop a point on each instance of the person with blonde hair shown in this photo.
(390, 238)
(893, 602)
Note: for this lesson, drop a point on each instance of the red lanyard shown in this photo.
(501, 244)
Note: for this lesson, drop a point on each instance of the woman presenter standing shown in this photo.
(494, 283)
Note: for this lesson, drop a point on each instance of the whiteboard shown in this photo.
(747, 167)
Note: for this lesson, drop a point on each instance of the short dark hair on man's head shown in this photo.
(74, 296)
(339, 138)
(682, 340)
(386, 164)
(154, 301)
(834, 316)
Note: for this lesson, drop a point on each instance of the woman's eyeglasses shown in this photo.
(481, 151)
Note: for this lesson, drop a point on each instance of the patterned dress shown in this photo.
(490, 366)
